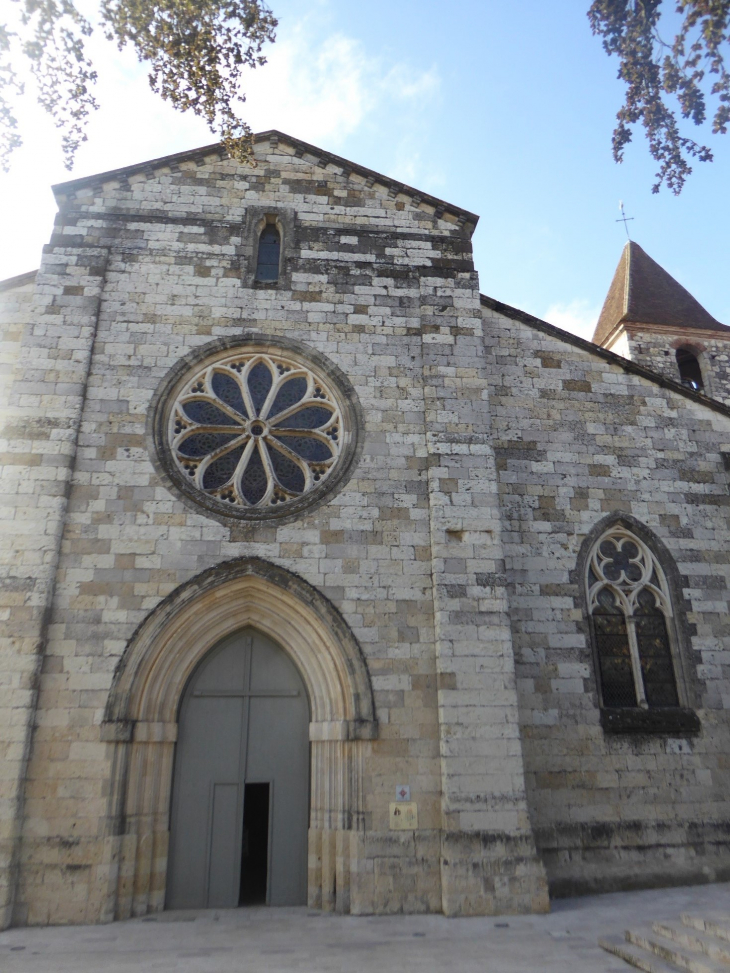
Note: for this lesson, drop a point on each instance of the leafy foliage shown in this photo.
(653, 69)
(196, 50)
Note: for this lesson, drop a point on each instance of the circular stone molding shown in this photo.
(256, 428)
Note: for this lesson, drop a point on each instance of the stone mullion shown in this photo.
(636, 662)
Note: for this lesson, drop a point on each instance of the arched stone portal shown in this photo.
(142, 712)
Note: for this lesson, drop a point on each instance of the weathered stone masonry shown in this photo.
(579, 438)
(431, 601)
(386, 289)
(656, 348)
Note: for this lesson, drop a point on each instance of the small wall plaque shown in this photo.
(402, 792)
(403, 816)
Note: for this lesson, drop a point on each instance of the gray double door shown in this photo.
(240, 800)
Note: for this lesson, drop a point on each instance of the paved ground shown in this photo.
(264, 940)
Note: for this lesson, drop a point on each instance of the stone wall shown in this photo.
(38, 439)
(657, 350)
(15, 298)
(578, 438)
(382, 284)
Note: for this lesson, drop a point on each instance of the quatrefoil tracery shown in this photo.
(622, 565)
(255, 431)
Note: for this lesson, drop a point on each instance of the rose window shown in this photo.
(255, 431)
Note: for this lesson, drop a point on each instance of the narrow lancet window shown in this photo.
(614, 653)
(631, 617)
(267, 265)
(690, 373)
(652, 641)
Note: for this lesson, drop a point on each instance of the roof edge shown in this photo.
(635, 322)
(627, 254)
(18, 281)
(625, 363)
(273, 136)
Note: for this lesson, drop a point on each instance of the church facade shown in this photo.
(328, 580)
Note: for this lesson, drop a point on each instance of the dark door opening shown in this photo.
(255, 845)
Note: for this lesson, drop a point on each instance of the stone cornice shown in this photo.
(708, 334)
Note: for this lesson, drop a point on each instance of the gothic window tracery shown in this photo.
(255, 431)
(631, 614)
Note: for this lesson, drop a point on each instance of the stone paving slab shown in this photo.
(255, 940)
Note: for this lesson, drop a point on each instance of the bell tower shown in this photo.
(650, 318)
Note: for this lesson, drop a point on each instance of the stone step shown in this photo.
(715, 923)
(635, 956)
(671, 951)
(695, 940)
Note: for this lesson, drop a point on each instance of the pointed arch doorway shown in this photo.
(144, 706)
(240, 795)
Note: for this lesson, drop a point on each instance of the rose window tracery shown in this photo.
(255, 431)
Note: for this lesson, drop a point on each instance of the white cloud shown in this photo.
(579, 317)
(319, 92)
(326, 89)
(322, 87)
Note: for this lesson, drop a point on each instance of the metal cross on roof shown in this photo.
(624, 218)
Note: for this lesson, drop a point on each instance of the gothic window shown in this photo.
(631, 616)
(690, 373)
(257, 431)
(269, 252)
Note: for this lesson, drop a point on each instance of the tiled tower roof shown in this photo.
(642, 292)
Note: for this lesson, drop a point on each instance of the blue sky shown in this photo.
(505, 109)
